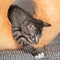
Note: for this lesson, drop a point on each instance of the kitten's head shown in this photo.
(32, 30)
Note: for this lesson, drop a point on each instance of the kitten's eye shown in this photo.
(31, 27)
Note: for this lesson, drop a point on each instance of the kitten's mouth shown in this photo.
(34, 40)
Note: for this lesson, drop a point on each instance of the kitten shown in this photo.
(26, 30)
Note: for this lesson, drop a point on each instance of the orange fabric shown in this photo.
(6, 38)
(48, 11)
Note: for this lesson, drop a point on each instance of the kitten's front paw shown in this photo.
(39, 56)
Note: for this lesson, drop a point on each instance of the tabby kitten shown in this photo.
(26, 30)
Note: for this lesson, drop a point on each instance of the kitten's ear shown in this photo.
(46, 24)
